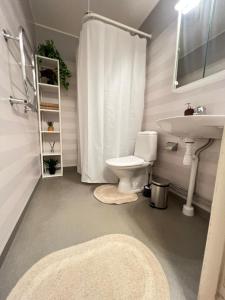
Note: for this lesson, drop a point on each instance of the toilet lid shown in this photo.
(125, 161)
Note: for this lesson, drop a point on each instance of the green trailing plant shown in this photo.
(51, 165)
(48, 49)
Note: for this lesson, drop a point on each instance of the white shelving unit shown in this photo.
(49, 93)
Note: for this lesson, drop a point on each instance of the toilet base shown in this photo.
(125, 185)
(133, 182)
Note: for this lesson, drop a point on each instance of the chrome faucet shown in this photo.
(200, 110)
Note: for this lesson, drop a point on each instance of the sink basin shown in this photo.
(194, 127)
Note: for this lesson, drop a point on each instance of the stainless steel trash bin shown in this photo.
(159, 195)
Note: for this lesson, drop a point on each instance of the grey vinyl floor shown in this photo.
(63, 212)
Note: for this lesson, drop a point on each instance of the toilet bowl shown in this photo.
(132, 170)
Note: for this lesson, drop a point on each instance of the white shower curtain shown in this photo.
(111, 84)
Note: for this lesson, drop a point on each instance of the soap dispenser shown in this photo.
(189, 111)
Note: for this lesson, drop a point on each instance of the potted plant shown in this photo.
(51, 165)
(48, 49)
(50, 126)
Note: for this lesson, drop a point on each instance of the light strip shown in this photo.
(184, 6)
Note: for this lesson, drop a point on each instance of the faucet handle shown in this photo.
(200, 110)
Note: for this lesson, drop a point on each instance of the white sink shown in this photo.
(190, 128)
(194, 127)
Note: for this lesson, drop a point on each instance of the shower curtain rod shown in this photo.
(90, 15)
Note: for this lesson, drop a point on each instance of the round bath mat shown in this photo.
(109, 267)
(108, 193)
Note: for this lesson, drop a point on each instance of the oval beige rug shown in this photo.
(112, 267)
(108, 193)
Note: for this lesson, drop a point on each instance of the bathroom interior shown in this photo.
(112, 149)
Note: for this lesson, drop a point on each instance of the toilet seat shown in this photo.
(125, 161)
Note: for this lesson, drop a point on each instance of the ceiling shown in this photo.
(66, 15)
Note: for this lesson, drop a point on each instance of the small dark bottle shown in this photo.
(189, 111)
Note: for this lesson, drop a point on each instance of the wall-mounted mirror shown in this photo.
(200, 52)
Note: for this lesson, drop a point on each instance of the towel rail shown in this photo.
(14, 100)
(23, 51)
(27, 106)
(25, 55)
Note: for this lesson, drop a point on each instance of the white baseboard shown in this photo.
(203, 203)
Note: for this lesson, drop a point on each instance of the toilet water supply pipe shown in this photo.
(188, 209)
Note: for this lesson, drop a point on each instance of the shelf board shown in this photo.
(51, 154)
(57, 173)
(48, 88)
(50, 132)
(48, 58)
(47, 63)
(49, 110)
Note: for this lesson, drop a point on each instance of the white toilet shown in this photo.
(131, 170)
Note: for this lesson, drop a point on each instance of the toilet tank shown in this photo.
(146, 145)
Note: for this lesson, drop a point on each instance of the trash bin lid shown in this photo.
(160, 182)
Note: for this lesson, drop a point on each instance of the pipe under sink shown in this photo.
(193, 159)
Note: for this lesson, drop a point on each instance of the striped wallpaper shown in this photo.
(69, 119)
(19, 143)
(161, 102)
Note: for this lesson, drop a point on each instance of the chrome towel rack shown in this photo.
(27, 60)
(27, 106)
